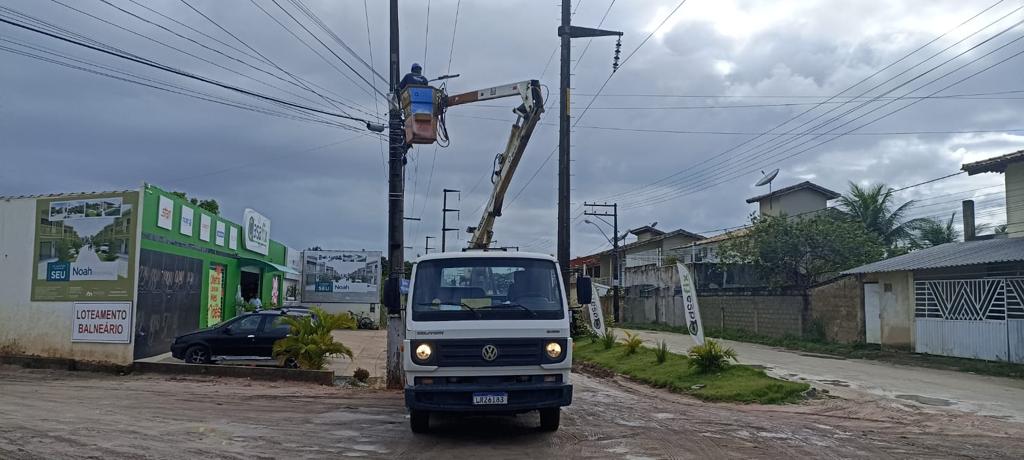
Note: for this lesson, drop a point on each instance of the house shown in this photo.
(650, 247)
(703, 255)
(798, 199)
(962, 299)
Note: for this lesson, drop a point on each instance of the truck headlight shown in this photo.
(423, 352)
(554, 350)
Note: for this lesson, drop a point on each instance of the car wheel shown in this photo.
(550, 418)
(291, 363)
(197, 354)
(419, 421)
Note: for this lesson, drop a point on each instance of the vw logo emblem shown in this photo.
(489, 352)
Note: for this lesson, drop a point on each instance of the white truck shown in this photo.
(487, 332)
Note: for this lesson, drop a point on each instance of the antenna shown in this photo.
(767, 180)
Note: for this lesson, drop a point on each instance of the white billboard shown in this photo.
(341, 276)
(257, 232)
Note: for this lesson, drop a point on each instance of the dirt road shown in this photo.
(52, 414)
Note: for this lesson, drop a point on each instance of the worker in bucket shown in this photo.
(414, 77)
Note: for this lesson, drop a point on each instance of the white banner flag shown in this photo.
(690, 307)
(595, 314)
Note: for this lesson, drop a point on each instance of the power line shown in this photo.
(330, 32)
(702, 182)
(455, 27)
(589, 41)
(793, 118)
(376, 105)
(182, 73)
(777, 96)
(426, 35)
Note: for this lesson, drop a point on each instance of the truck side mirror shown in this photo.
(584, 290)
(393, 296)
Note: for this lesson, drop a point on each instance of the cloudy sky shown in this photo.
(675, 137)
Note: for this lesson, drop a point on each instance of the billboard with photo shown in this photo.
(84, 247)
(341, 276)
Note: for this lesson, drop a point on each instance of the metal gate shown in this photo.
(170, 293)
(974, 318)
(872, 313)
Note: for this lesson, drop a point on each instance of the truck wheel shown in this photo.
(419, 421)
(197, 354)
(550, 418)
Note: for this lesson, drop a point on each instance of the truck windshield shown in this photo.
(486, 288)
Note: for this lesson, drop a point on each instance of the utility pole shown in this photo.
(396, 203)
(426, 246)
(444, 218)
(617, 269)
(567, 31)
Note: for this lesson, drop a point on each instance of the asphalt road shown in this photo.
(54, 414)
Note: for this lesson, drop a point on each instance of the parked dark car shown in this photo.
(250, 336)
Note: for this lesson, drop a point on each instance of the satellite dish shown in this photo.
(768, 178)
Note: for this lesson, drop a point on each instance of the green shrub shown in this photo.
(632, 343)
(361, 375)
(711, 356)
(311, 342)
(661, 353)
(608, 339)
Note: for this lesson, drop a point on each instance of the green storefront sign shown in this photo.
(85, 247)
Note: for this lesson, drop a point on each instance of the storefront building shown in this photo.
(115, 276)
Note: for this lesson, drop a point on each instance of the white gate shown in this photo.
(872, 313)
(976, 318)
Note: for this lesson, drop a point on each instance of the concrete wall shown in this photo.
(652, 296)
(38, 328)
(838, 308)
(797, 202)
(897, 309)
(1015, 199)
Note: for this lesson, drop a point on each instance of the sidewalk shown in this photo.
(863, 379)
(369, 350)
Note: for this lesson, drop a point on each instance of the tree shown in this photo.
(932, 232)
(799, 252)
(210, 205)
(873, 207)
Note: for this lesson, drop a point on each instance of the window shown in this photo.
(276, 326)
(486, 288)
(247, 324)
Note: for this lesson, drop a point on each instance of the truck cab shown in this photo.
(487, 333)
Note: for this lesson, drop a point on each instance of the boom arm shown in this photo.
(507, 161)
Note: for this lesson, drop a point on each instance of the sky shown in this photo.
(702, 104)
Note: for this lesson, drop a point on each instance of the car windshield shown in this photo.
(486, 288)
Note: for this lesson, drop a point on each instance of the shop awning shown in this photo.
(246, 261)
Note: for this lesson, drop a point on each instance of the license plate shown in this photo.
(487, 399)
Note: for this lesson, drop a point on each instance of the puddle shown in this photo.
(663, 415)
(835, 383)
(926, 400)
(816, 355)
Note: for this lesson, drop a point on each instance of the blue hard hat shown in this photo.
(416, 67)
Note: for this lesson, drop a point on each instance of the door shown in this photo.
(274, 329)
(239, 337)
(170, 295)
(872, 313)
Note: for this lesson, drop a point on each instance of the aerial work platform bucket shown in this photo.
(419, 105)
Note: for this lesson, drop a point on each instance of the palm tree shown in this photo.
(873, 206)
(931, 232)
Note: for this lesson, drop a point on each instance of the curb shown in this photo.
(251, 372)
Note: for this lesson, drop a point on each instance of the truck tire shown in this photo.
(550, 418)
(419, 421)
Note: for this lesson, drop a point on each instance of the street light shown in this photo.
(588, 221)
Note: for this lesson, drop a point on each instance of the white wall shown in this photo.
(38, 328)
(1015, 199)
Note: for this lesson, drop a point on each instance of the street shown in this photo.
(57, 414)
(859, 379)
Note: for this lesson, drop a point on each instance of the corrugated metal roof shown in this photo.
(61, 195)
(996, 164)
(950, 255)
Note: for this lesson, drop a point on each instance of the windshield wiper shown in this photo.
(513, 305)
(460, 304)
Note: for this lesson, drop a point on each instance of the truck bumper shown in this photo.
(459, 398)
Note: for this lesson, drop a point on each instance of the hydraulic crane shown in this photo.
(506, 162)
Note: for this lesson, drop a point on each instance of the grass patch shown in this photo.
(854, 351)
(736, 383)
